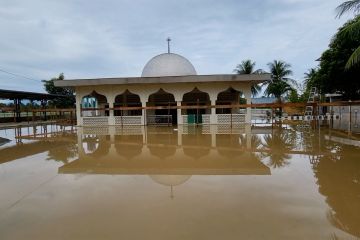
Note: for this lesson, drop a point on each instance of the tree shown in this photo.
(60, 102)
(247, 67)
(278, 144)
(279, 83)
(294, 96)
(310, 78)
(352, 30)
(332, 76)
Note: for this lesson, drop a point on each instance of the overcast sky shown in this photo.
(115, 38)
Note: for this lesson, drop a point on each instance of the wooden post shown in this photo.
(231, 109)
(350, 117)
(169, 113)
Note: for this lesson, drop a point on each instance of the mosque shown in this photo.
(169, 91)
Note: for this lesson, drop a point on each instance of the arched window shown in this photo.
(165, 115)
(229, 97)
(196, 98)
(127, 99)
(94, 104)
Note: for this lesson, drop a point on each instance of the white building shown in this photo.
(169, 91)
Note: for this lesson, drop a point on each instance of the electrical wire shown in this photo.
(18, 75)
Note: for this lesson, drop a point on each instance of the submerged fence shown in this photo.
(232, 112)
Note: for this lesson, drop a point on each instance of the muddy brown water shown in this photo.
(210, 182)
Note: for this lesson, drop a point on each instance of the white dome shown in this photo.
(168, 64)
(170, 180)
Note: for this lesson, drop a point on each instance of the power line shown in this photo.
(18, 75)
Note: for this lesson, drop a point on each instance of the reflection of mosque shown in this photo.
(168, 156)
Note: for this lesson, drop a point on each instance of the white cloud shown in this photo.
(87, 39)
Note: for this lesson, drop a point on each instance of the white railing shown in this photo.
(205, 119)
(230, 118)
(95, 121)
(159, 119)
(128, 120)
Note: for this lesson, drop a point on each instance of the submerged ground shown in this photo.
(282, 182)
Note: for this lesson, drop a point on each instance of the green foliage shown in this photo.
(247, 67)
(352, 5)
(52, 89)
(332, 76)
(351, 31)
(279, 84)
(294, 96)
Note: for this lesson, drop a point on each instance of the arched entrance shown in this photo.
(196, 98)
(127, 99)
(229, 97)
(94, 105)
(165, 115)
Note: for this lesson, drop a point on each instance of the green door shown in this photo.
(191, 118)
(199, 118)
(194, 118)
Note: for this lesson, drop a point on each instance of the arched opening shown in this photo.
(165, 115)
(229, 97)
(97, 146)
(196, 98)
(128, 146)
(230, 145)
(94, 105)
(127, 99)
(196, 145)
(163, 144)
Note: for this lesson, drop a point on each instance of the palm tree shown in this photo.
(279, 84)
(351, 30)
(352, 5)
(278, 144)
(247, 67)
(309, 77)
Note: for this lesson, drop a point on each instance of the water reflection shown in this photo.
(175, 157)
(167, 153)
(278, 146)
(338, 177)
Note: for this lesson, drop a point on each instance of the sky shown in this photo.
(115, 38)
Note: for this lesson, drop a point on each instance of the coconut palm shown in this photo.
(247, 67)
(352, 5)
(278, 144)
(279, 84)
(351, 30)
(309, 77)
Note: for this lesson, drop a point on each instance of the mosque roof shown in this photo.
(168, 64)
(254, 78)
(166, 68)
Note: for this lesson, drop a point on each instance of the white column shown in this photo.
(111, 99)
(248, 136)
(143, 99)
(111, 114)
(78, 109)
(179, 116)
(180, 133)
(80, 143)
(143, 114)
(247, 93)
(213, 117)
(213, 139)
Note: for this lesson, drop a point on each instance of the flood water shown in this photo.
(210, 182)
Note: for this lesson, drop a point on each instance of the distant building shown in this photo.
(263, 100)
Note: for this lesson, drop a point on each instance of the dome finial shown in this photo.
(168, 42)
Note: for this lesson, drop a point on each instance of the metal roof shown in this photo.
(14, 94)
